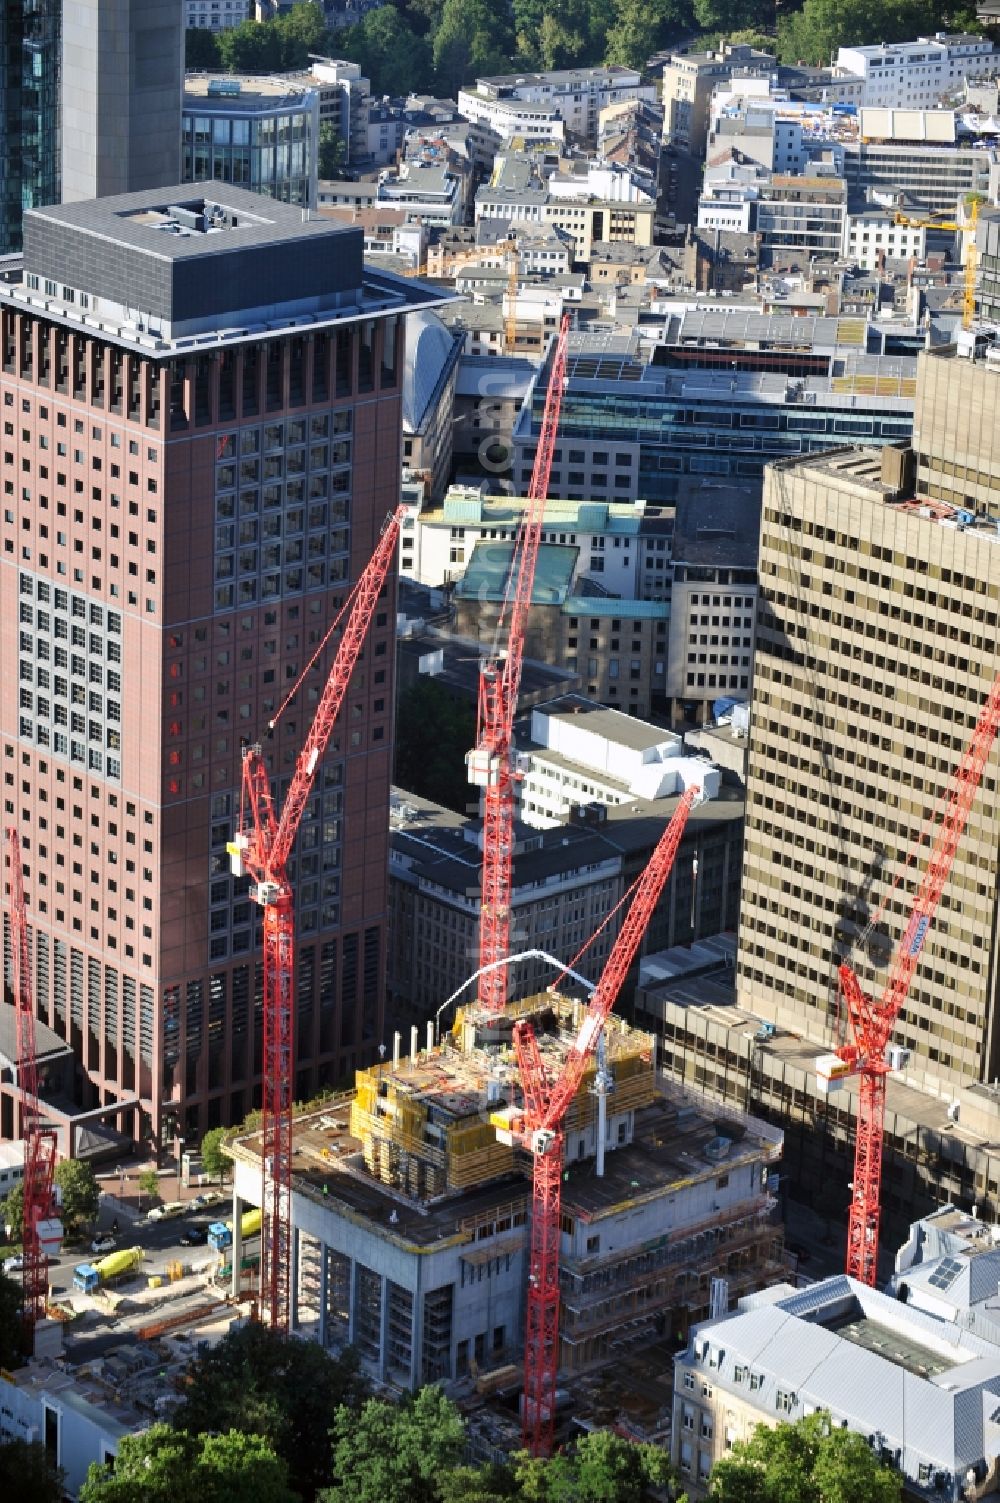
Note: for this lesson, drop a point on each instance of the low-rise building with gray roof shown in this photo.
(924, 1392)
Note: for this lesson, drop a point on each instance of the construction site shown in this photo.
(411, 1212)
(523, 1205)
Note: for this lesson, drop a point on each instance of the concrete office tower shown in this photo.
(194, 480)
(876, 647)
(29, 111)
(122, 79)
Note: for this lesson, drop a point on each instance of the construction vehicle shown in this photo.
(42, 1229)
(492, 763)
(871, 1056)
(117, 1265)
(967, 229)
(220, 1233)
(539, 1131)
(261, 849)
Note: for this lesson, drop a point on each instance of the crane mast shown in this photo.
(39, 1142)
(541, 1132)
(872, 1022)
(492, 762)
(261, 849)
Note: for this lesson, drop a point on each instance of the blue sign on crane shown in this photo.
(916, 933)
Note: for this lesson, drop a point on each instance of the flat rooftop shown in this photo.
(671, 1139)
(894, 1345)
(227, 91)
(193, 264)
(614, 725)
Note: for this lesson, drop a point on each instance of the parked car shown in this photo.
(194, 1236)
(169, 1209)
(212, 1198)
(14, 1264)
(103, 1244)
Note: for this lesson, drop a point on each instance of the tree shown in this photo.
(263, 1383)
(252, 47)
(149, 1184)
(814, 33)
(27, 1473)
(391, 1451)
(478, 1484)
(81, 1194)
(332, 152)
(472, 38)
(603, 1468)
(390, 52)
(300, 32)
(633, 30)
(555, 35)
(730, 15)
(215, 1163)
(162, 1465)
(13, 1211)
(201, 49)
(802, 1462)
(433, 735)
(563, 37)
(11, 1328)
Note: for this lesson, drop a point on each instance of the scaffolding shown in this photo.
(427, 1126)
(612, 1304)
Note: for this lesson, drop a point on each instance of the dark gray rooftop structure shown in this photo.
(716, 524)
(177, 264)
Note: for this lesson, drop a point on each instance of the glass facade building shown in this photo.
(258, 134)
(29, 97)
(632, 425)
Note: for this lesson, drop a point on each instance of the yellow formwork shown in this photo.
(427, 1127)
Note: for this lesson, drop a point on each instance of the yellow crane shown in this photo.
(967, 229)
(483, 255)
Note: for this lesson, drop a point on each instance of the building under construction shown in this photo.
(411, 1212)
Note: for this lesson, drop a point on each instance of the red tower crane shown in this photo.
(540, 1131)
(261, 849)
(872, 1022)
(492, 761)
(39, 1141)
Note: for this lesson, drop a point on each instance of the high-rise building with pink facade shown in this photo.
(201, 441)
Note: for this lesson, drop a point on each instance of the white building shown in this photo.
(615, 540)
(532, 120)
(729, 195)
(433, 194)
(916, 75)
(923, 1391)
(216, 15)
(596, 203)
(11, 1167)
(80, 1420)
(573, 97)
(873, 236)
(582, 753)
(344, 102)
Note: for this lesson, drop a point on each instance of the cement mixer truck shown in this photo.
(90, 1276)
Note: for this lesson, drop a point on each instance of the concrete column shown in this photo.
(324, 1279)
(417, 1328)
(293, 1280)
(383, 1338)
(237, 1248)
(352, 1323)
